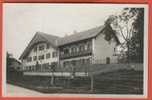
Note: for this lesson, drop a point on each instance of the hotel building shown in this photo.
(92, 46)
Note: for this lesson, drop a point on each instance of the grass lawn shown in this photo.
(115, 82)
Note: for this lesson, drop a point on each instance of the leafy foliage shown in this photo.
(129, 27)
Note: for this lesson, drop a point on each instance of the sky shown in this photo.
(22, 21)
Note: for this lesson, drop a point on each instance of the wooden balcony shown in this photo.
(76, 54)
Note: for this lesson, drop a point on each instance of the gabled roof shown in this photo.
(40, 37)
(80, 35)
(56, 41)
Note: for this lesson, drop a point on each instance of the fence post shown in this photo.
(52, 79)
(92, 83)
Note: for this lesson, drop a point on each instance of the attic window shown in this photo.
(114, 49)
(41, 47)
(29, 59)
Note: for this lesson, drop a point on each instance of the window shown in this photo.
(54, 54)
(77, 49)
(35, 58)
(66, 51)
(47, 46)
(114, 49)
(41, 57)
(47, 55)
(35, 48)
(82, 48)
(29, 59)
(89, 46)
(41, 47)
(86, 47)
(73, 49)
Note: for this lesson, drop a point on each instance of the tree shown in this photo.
(137, 40)
(8, 59)
(128, 26)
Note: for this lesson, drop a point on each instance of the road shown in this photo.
(12, 90)
(16, 91)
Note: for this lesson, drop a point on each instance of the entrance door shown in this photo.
(108, 60)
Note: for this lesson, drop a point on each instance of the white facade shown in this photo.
(102, 52)
(86, 48)
(39, 53)
(103, 49)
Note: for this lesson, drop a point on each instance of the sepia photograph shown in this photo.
(82, 50)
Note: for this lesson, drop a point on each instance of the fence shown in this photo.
(70, 67)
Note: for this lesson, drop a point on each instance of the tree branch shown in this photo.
(122, 34)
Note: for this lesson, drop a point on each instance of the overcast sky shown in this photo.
(22, 21)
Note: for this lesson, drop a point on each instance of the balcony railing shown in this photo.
(76, 54)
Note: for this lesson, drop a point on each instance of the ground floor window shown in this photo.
(41, 57)
(54, 54)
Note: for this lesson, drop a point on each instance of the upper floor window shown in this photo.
(77, 49)
(86, 47)
(73, 49)
(29, 59)
(41, 57)
(41, 47)
(54, 54)
(66, 51)
(82, 48)
(35, 49)
(61, 53)
(47, 55)
(35, 58)
(47, 46)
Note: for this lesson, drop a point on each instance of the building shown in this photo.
(81, 48)
(40, 53)
(13, 64)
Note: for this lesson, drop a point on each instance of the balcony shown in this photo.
(76, 54)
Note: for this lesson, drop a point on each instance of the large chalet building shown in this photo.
(91, 46)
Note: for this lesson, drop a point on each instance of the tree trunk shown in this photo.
(128, 53)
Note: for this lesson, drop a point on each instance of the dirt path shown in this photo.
(12, 90)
